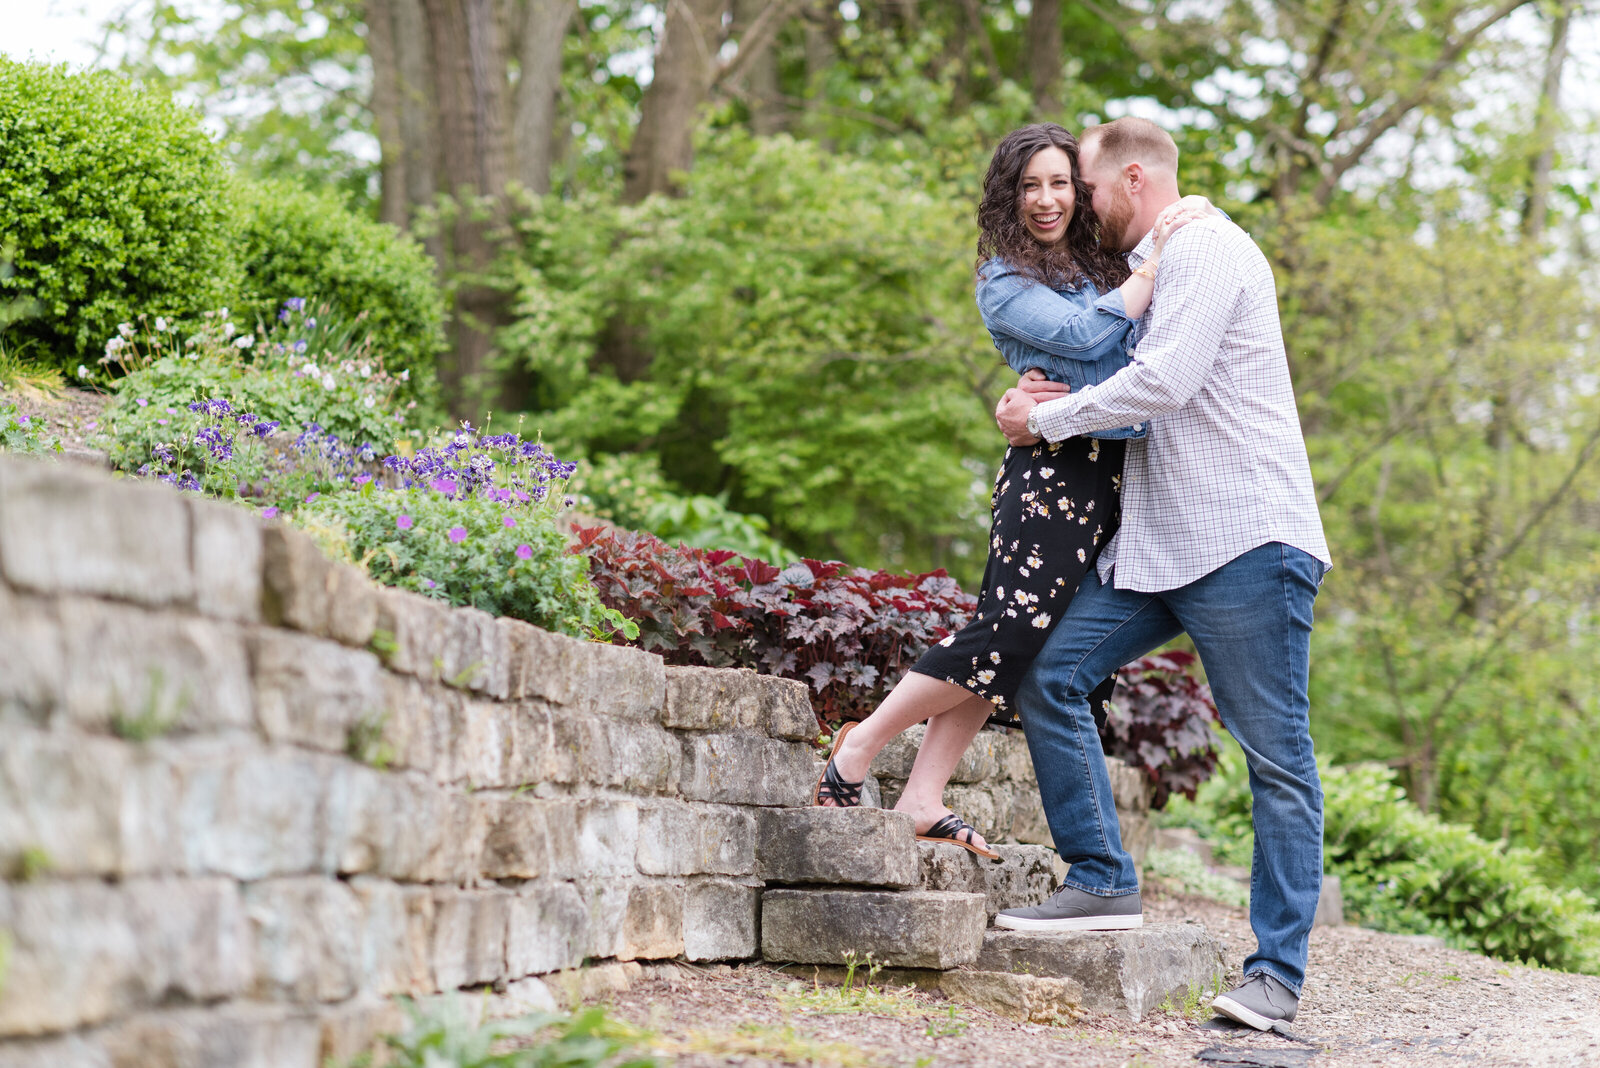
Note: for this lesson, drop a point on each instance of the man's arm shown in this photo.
(1195, 295)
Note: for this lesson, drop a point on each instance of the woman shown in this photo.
(1054, 300)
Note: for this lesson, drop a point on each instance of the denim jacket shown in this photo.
(1075, 336)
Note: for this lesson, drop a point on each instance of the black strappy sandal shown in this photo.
(956, 831)
(830, 787)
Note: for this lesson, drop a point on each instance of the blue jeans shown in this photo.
(1250, 620)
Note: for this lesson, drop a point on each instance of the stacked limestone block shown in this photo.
(246, 796)
(994, 789)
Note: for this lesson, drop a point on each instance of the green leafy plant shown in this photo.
(23, 434)
(852, 995)
(1404, 870)
(1186, 873)
(447, 1036)
(950, 1026)
(158, 237)
(473, 522)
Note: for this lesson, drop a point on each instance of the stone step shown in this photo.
(1125, 972)
(837, 847)
(1025, 874)
(906, 929)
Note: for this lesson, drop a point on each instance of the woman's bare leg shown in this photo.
(955, 716)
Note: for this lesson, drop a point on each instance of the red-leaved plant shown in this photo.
(1161, 722)
(850, 634)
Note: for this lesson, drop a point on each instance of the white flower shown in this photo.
(83, 372)
(328, 382)
(994, 658)
(114, 346)
(228, 330)
(310, 370)
(1042, 620)
(125, 329)
(1083, 557)
(161, 323)
(405, 376)
(1046, 472)
(985, 677)
(244, 341)
(947, 639)
(366, 371)
(368, 401)
(223, 312)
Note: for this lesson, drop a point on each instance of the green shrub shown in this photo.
(1404, 870)
(116, 201)
(297, 243)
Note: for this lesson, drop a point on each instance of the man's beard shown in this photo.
(1117, 222)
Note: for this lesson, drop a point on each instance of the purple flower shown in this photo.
(312, 497)
(91, 424)
(362, 480)
(458, 534)
(295, 304)
(524, 552)
(265, 429)
(23, 420)
(161, 422)
(429, 583)
(404, 522)
(141, 402)
(446, 486)
(269, 512)
(509, 522)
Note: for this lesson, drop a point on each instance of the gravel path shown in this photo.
(1371, 999)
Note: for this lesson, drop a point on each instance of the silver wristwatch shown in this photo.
(1033, 422)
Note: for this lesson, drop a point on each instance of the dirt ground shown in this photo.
(1371, 999)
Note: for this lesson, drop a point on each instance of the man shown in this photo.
(1220, 537)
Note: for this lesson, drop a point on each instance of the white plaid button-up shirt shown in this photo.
(1224, 469)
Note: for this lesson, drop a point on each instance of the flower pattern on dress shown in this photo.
(1040, 547)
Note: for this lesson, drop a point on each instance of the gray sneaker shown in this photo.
(1259, 1002)
(1071, 909)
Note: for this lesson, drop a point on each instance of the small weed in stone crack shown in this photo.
(156, 714)
(852, 996)
(1190, 1007)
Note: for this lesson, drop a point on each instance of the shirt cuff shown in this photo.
(1112, 304)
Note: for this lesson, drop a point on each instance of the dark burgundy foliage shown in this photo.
(1161, 722)
(850, 633)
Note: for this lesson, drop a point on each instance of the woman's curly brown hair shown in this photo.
(1081, 257)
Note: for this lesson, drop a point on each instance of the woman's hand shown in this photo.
(1180, 213)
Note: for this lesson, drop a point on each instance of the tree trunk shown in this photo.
(470, 87)
(539, 90)
(685, 65)
(768, 115)
(1044, 54)
(1537, 206)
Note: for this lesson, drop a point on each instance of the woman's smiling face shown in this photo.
(1047, 195)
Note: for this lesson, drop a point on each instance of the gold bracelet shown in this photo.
(1147, 270)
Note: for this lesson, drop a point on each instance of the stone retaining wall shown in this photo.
(246, 796)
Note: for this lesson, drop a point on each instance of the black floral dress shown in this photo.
(1054, 506)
